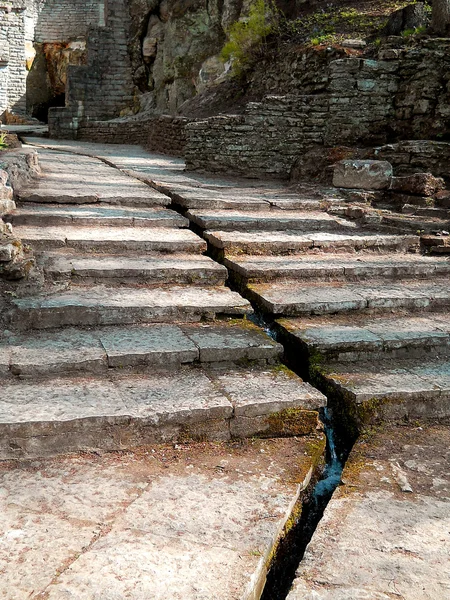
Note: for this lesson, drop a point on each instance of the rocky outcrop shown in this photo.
(175, 47)
(16, 260)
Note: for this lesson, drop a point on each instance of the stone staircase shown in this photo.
(134, 337)
(363, 308)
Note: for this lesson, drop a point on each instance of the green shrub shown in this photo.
(3, 144)
(247, 37)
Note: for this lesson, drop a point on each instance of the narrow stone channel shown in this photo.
(292, 548)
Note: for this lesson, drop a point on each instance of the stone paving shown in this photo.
(191, 521)
(384, 535)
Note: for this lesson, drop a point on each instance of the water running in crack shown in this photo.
(292, 548)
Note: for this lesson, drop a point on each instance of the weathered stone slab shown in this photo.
(233, 343)
(290, 408)
(47, 353)
(395, 502)
(363, 174)
(134, 520)
(294, 298)
(173, 268)
(291, 242)
(137, 239)
(414, 389)
(57, 352)
(55, 416)
(162, 345)
(106, 306)
(85, 181)
(336, 266)
(91, 215)
(341, 338)
(274, 220)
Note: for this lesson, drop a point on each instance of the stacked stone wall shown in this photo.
(64, 20)
(403, 94)
(103, 87)
(165, 134)
(13, 72)
(263, 141)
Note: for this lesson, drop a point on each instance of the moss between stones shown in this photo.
(292, 422)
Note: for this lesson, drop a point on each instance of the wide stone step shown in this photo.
(112, 239)
(293, 242)
(123, 197)
(412, 389)
(172, 268)
(338, 267)
(94, 215)
(64, 415)
(360, 337)
(231, 195)
(96, 350)
(100, 305)
(276, 219)
(292, 298)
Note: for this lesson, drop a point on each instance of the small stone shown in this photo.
(6, 253)
(363, 174)
(357, 44)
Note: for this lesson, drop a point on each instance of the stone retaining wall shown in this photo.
(403, 94)
(263, 141)
(417, 156)
(164, 134)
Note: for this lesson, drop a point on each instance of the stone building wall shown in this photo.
(64, 20)
(26, 23)
(103, 87)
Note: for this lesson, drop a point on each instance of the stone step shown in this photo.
(43, 215)
(100, 305)
(124, 197)
(235, 197)
(293, 242)
(96, 350)
(337, 267)
(112, 239)
(273, 220)
(293, 298)
(435, 213)
(387, 390)
(415, 222)
(172, 268)
(70, 414)
(328, 339)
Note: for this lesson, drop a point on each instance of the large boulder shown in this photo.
(363, 174)
(409, 17)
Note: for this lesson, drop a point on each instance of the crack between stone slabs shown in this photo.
(104, 530)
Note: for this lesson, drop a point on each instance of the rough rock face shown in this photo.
(419, 184)
(15, 260)
(175, 46)
(408, 17)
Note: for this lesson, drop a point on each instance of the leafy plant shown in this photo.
(247, 37)
(3, 144)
